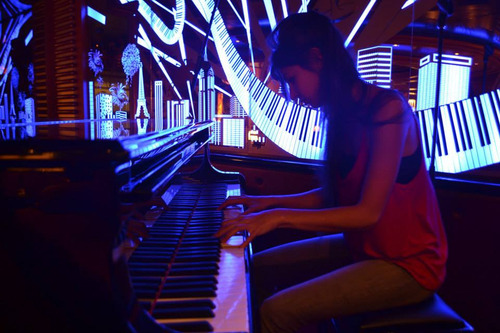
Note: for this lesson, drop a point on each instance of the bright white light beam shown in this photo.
(360, 21)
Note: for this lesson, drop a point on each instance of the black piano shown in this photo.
(71, 194)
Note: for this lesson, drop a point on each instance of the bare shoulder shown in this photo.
(388, 106)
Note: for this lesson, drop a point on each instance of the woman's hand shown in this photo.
(251, 204)
(254, 223)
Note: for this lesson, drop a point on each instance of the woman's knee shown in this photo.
(276, 315)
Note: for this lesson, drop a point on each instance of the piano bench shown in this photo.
(432, 315)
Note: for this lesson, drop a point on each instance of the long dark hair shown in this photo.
(291, 42)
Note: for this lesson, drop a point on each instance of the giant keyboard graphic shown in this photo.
(297, 129)
(468, 130)
(468, 133)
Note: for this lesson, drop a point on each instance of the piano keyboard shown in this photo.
(468, 133)
(297, 129)
(166, 35)
(182, 275)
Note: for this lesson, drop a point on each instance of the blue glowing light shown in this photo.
(91, 12)
(14, 78)
(119, 94)
(95, 61)
(131, 61)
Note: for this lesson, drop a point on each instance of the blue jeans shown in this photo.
(316, 279)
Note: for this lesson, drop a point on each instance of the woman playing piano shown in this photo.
(385, 244)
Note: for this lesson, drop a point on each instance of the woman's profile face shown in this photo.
(303, 84)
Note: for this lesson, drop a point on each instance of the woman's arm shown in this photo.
(310, 199)
(387, 143)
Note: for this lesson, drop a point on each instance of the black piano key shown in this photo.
(147, 271)
(149, 258)
(465, 120)
(495, 105)
(246, 78)
(146, 285)
(452, 124)
(271, 110)
(305, 125)
(185, 284)
(294, 124)
(460, 126)
(423, 125)
(200, 258)
(266, 102)
(281, 114)
(143, 293)
(179, 279)
(477, 123)
(189, 292)
(289, 123)
(179, 304)
(198, 326)
(442, 136)
(183, 313)
(480, 110)
(146, 280)
(179, 269)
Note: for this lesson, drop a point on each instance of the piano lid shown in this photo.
(114, 138)
(143, 159)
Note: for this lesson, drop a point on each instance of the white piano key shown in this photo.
(487, 110)
(448, 158)
(427, 114)
(283, 137)
(473, 132)
(471, 155)
(291, 123)
(423, 135)
(299, 124)
(462, 156)
(485, 147)
(495, 97)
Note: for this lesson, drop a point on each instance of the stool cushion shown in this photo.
(430, 315)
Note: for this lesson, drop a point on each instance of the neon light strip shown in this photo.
(408, 3)
(145, 42)
(268, 4)
(236, 12)
(91, 109)
(28, 38)
(91, 12)
(374, 54)
(223, 91)
(267, 77)
(303, 7)
(155, 56)
(370, 67)
(182, 49)
(285, 9)
(190, 97)
(166, 57)
(360, 21)
(453, 59)
(244, 3)
(185, 21)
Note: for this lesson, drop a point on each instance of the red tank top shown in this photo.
(410, 232)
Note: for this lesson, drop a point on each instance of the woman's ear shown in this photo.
(315, 58)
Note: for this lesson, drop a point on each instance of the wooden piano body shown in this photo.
(66, 264)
